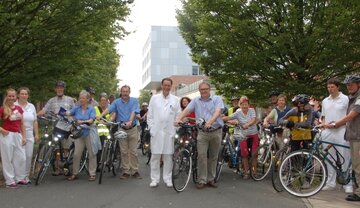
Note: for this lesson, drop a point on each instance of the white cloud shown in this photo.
(144, 14)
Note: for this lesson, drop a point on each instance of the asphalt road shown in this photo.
(136, 193)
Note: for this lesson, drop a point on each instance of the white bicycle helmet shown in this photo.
(119, 134)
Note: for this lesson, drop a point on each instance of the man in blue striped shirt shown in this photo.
(208, 107)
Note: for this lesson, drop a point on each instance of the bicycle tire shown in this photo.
(38, 157)
(220, 163)
(116, 160)
(279, 157)
(45, 165)
(194, 166)
(264, 159)
(103, 161)
(84, 161)
(302, 173)
(181, 172)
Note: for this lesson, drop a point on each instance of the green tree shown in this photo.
(71, 40)
(144, 96)
(293, 46)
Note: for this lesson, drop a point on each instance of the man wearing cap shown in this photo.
(273, 98)
(352, 134)
(54, 105)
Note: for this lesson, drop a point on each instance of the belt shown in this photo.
(130, 127)
(210, 130)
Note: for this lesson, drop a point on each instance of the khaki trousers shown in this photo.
(355, 160)
(128, 149)
(207, 166)
(80, 144)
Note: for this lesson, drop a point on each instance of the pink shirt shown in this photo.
(13, 122)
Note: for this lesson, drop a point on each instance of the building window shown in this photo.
(195, 70)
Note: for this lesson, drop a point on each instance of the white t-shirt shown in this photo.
(29, 117)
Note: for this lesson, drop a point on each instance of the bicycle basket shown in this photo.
(62, 129)
(119, 135)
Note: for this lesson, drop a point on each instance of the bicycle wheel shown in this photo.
(194, 166)
(220, 163)
(38, 158)
(181, 171)
(116, 160)
(103, 160)
(302, 174)
(262, 160)
(279, 157)
(84, 161)
(44, 165)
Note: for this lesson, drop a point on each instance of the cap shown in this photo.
(60, 83)
(274, 93)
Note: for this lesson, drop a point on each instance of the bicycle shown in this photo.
(303, 173)
(185, 157)
(264, 154)
(145, 144)
(230, 153)
(52, 148)
(110, 155)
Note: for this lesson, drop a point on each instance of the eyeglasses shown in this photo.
(203, 89)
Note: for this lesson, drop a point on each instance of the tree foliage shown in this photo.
(144, 96)
(42, 41)
(292, 46)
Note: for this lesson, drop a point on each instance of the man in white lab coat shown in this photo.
(163, 109)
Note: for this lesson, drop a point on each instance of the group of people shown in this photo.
(19, 131)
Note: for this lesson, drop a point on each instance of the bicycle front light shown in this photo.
(176, 136)
(46, 135)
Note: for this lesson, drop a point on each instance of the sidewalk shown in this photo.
(330, 199)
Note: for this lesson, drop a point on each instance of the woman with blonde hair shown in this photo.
(12, 141)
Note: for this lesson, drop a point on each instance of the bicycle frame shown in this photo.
(325, 154)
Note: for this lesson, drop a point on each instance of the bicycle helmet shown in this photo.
(90, 90)
(301, 98)
(200, 123)
(60, 83)
(144, 104)
(119, 134)
(235, 98)
(76, 132)
(354, 78)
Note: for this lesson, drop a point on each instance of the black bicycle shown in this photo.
(50, 148)
(110, 155)
(185, 157)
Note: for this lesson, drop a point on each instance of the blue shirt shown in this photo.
(89, 113)
(205, 108)
(124, 109)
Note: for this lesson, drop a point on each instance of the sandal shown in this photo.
(92, 178)
(72, 178)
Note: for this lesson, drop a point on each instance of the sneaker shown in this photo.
(153, 184)
(12, 186)
(200, 185)
(137, 175)
(22, 183)
(212, 184)
(169, 185)
(124, 176)
(353, 197)
(328, 188)
(348, 189)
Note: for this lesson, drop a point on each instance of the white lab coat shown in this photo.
(160, 119)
